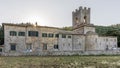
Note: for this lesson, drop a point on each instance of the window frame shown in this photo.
(13, 47)
(50, 35)
(33, 33)
(13, 33)
(29, 46)
(21, 33)
(45, 47)
(56, 46)
(69, 36)
(64, 35)
(57, 35)
(1, 49)
(44, 34)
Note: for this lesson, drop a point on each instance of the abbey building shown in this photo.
(28, 39)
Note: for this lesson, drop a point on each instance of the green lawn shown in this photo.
(61, 62)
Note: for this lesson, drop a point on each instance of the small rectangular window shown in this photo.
(55, 46)
(106, 39)
(33, 33)
(69, 36)
(13, 33)
(44, 46)
(63, 36)
(29, 46)
(50, 35)
(0, 49)
(13, 47)
(57, 35)
(21, 33)
(44, 34)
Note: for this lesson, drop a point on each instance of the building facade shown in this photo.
(28, 39)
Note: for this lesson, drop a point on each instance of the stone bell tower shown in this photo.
(81, 16)
(81, 20)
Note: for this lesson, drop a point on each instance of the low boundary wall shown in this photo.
(55, 53)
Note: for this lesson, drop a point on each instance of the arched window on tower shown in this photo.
(76, 19)
(85, 19)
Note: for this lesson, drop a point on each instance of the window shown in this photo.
(68, 44)
(63, 44)
(100, 43)
(107, 47)
(63, 36)
(21, 34)
(76, 19)
(96, 40)
(55, 46)
(0, 49)
(85, 17)
(13, 33)
(44, 34)
(57, 35)
(69, 36)
(29, 46)
(106, 39)
(44, 46)
(33, 33)
(50, 35)
(79, 43)
(13, 47)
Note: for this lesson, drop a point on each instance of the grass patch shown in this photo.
(60, 62)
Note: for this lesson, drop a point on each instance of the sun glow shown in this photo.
(34, 19)
(42, 18)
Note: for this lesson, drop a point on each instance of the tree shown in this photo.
(1, 36)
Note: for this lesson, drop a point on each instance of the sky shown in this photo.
(58, 13)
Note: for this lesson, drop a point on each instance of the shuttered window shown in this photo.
(33, 33)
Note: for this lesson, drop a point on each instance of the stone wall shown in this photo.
(90, 42)
(106, 43)
(54, 53)
(21, 42)
(65, 44)
(50, 41)
(78, 42)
